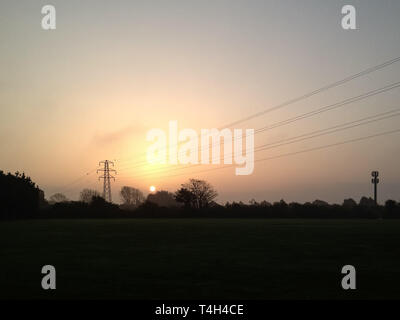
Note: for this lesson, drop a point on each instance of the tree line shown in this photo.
(20, 197)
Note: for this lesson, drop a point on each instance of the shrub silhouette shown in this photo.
(163, 199)
(19, 196)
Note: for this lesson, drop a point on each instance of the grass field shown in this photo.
(200, 259)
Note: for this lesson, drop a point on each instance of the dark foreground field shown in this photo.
(200, 259)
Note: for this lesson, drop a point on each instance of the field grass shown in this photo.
(200, 258)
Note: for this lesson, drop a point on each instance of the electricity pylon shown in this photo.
(106, 177)
(375, 181)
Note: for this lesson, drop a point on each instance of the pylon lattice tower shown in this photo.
(106, 178)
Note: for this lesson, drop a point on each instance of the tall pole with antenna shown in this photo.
(106, 178)
(375, 182)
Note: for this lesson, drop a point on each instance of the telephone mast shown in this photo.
(375, 182)
(106, 178)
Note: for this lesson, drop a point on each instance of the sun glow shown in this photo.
(152, 188)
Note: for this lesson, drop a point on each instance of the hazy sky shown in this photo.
(112, 70)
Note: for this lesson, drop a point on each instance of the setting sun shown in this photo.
(152, 188)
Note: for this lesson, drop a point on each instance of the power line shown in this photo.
(67, 186)
(306, 136)
(314, 92)
(333, 106)
(300, 152)
(291, 101)
(329, 131)
(316, 111)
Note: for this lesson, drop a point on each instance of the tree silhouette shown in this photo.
(367, 202)
(186, 197)
(349, 203)
(196, 193)
(131, 197)
(87, 195)
(163, 199)
(58, 197)
(19, 196)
